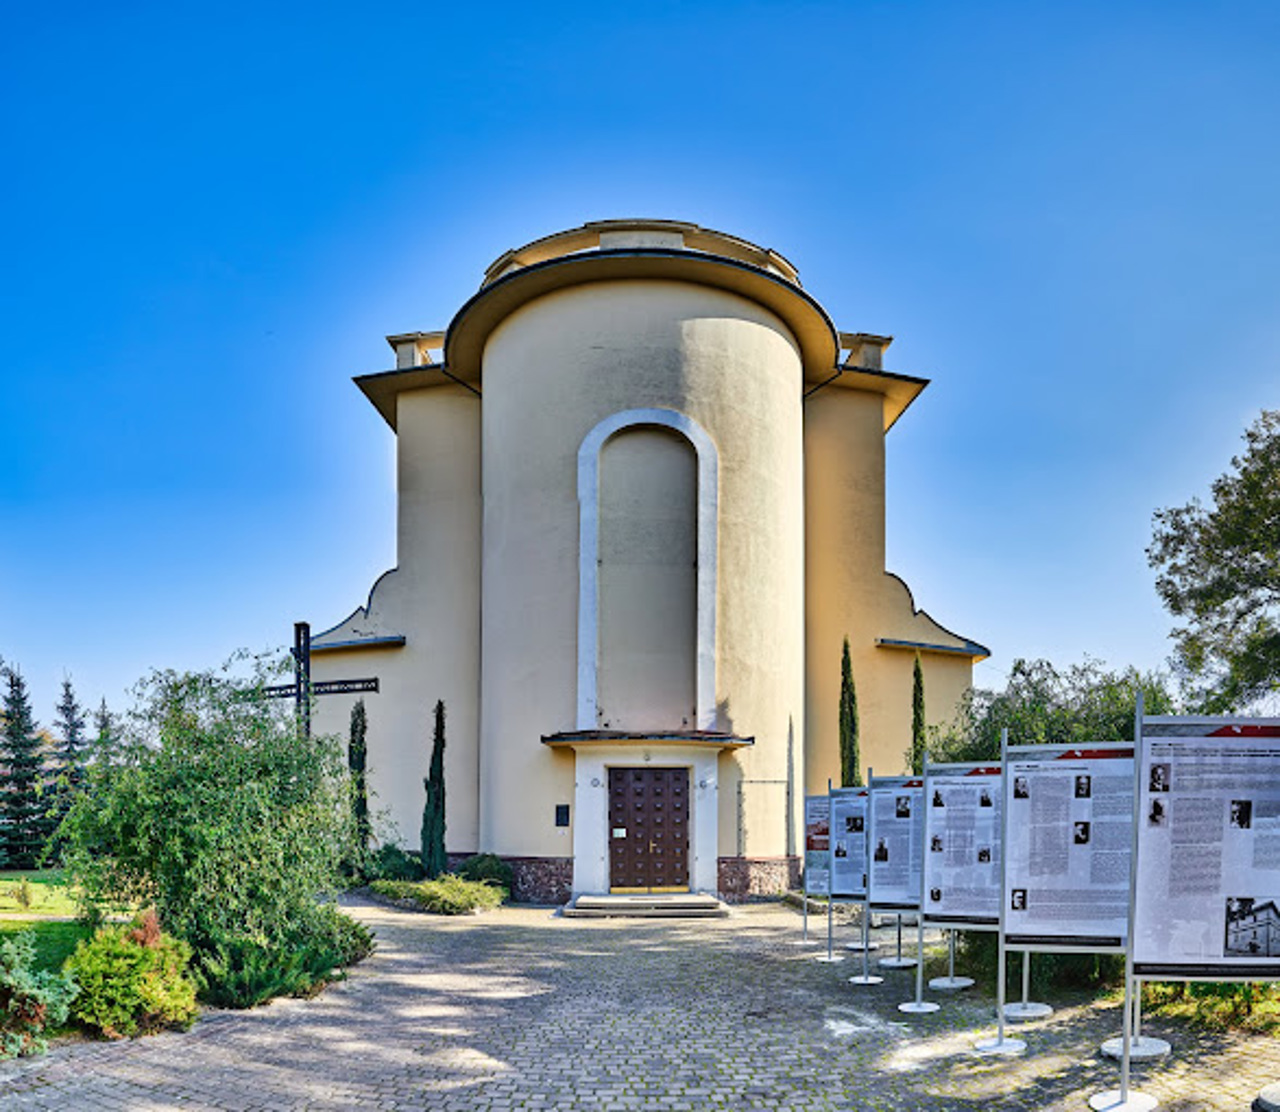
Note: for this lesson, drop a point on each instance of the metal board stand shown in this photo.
(1000, 1044)
(866, 977)
(919, 1006)
(1126, 1099)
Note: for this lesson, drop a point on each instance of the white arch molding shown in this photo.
(589, 551)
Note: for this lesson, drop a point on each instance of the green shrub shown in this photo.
(242, 972)
(133, 980)
(446, 895)
(351, 938)
(217, 813)
(489, 867)
(390, 862)
(31, 1001)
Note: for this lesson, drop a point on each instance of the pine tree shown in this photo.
(69, 752)
(850, 774)
(104, 728)
(24, 802)
(434, 860)
(357, 761)
(917, 720)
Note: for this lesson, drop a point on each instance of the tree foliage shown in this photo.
(850, 758)
(25, 799)
(434, 860)
(919, 730)
(217, 813)
(1219, 572)
(1041, 703)
(357, 762)
(70, 751)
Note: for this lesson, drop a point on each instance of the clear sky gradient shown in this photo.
(1066, 214)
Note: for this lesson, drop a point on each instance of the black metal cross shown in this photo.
(302, 688)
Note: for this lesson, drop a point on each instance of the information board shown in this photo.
(896, 841)
(817, 844)
(1068, 847)
(1207, 898)
(962, 838)
(849, 843)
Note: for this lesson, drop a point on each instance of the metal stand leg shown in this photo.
(951, 983)
(919, 1005)
(1027, 1009)
(1000, 1044)
(866, 977)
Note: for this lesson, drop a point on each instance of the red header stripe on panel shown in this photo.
(993, 770)
(1245, 731)
(1093, 754)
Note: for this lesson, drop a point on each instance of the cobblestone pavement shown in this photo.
(519, 1009)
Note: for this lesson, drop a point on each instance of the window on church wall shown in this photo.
(648, 581)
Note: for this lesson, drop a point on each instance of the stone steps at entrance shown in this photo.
(664, 905)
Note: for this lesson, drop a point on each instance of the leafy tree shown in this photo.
(434, 859)
(24, 796)
(1043, 704)
(919, 731)
(1219, 571)
(217, 813)
(357, 760)
(850, 773)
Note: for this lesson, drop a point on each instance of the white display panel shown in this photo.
(896, 841)
(1068, 847)
(817, 844)
(849, 842)
(962, 837)
(1207, 897)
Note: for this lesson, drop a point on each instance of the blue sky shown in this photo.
(1066, 214)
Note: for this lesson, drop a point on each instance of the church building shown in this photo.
(641, 504)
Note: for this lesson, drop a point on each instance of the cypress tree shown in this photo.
(917, 719)
(850, 774)
(357, 759)
(23, 801)
(434, 860)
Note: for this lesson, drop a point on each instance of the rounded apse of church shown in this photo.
(643, 535)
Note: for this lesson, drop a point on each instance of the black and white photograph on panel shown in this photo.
(1252, 928)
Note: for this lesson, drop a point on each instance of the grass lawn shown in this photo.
(43, 889)
(54, 940)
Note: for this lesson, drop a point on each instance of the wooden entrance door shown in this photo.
(649, 829)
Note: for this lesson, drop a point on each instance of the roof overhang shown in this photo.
(970, 649)
(710, 739)
(815, 334)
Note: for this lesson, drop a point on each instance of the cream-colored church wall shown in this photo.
(553, 371)
(647, 585)
(433, 599)
(848, 594)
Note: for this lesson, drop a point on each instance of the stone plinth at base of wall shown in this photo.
(539, 880)
(543, 880)
(745, 878)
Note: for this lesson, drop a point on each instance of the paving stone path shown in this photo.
(520, 1009)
